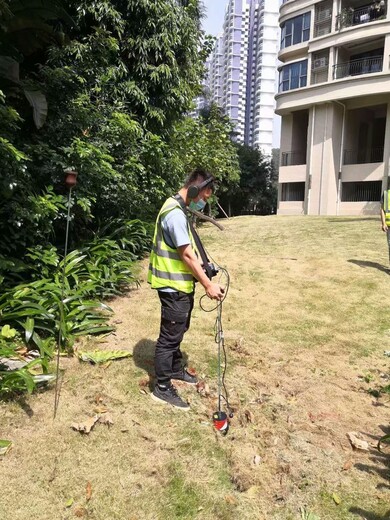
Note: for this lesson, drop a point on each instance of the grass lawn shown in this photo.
(306, 324)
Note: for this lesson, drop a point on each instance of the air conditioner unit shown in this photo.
(319, 63)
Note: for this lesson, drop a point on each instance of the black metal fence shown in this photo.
(357, 67)
(364, 156)
(350, 16)
(293, 191)
(368, 191)
(293, 158)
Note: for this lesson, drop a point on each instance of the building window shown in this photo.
(234, 113)
(319, 66)
(295, 30)
(368, 191)
(293, 76)
(293, 191)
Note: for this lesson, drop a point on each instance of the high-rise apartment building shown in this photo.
(334, 99)
(241, 70)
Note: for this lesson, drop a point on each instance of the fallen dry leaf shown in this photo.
(230, 499)
(191, 370)
(348, 465)
(336, 498)
(248, 416)
(88, 491)
(203, 389)
(144, 382)
(86, 426)
(357, 442)
(80, 511)
(252, 492)
(256, 460)
(100, 409)
(106, 418)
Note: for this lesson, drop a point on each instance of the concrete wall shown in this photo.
(359, 208)
(362, 172)
(290, 208)
(292, 173)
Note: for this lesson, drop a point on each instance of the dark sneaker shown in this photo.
(169, 396)
(186, 377)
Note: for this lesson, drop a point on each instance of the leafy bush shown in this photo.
(61, 303)
(17, 380)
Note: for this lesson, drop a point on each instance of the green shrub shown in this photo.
(63, 302)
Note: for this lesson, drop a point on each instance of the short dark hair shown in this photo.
(201, 175)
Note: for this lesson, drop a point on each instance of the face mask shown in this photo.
(197, 206)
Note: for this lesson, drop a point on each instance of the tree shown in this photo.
(256, 193)
(117, 85)
(205, 142)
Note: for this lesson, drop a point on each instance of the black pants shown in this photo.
(176, 308)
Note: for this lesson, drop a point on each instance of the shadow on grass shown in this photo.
(143, 357)
(25, 406)
(351, 219)
(373, 265)
(20, 400)
(380, 465)
(369, 516)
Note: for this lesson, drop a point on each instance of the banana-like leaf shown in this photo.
(44, 378)
(7, 332)
(39, 104)
(385, 438)
(42, 345)
(29, 328)
(9, 69)
(93, 330)
(5, 446)
(102, 356)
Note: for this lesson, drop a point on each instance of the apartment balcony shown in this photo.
(350, 16)
(292, 158)
(364, 156)
(358, 67)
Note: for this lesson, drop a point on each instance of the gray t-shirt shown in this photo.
(175, 229)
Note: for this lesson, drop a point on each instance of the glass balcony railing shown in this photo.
(358, 67)
(293, 158)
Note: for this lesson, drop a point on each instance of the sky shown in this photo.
(215, 11)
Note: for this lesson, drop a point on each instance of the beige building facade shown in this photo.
(334, 100)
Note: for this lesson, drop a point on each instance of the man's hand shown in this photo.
(384, 228)
(215, 291)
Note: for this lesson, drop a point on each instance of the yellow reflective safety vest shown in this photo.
(386, 206)
(166, 268)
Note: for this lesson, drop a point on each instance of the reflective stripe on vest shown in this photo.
(166, 268)
(386, 206)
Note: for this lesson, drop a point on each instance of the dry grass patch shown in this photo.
(306, 324)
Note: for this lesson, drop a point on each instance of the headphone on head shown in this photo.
(195, 189)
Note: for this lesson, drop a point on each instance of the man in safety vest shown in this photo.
(385, 215)
(174, 268)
